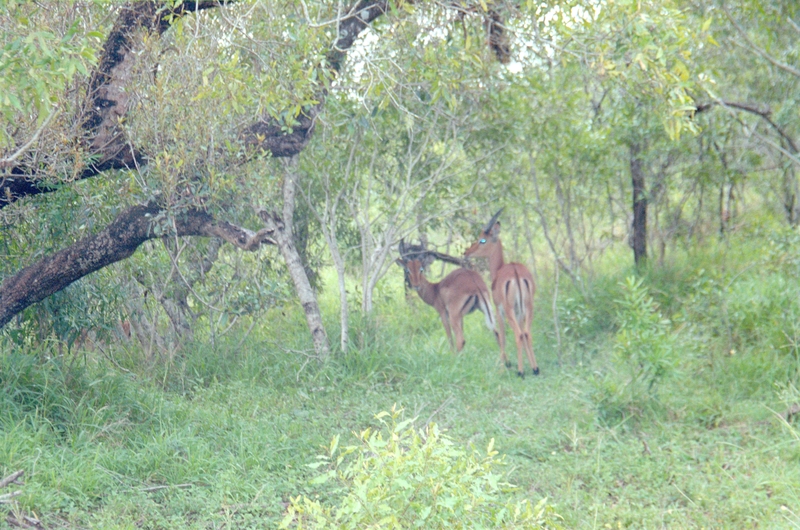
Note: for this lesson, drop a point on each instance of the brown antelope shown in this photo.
(512, 290)
(459, 293)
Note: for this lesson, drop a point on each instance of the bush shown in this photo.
(404, 478)
(644, 354)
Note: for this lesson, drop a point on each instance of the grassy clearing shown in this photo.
(221, 438)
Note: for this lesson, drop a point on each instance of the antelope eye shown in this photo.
(482, 241)
(422, 269)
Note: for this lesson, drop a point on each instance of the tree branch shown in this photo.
(762, 52)
(114, 243)
(9, 160)
(269, 135)
(107, 101)
(135, 225)
(13, 478)
(764, 113)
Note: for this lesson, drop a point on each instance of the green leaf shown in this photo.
(334, 445)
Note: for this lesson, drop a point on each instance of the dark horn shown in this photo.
(494, 220)
(402, 248)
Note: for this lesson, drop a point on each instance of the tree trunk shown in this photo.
(790, 205)
(281, 229)
(377, 262)
(133, 226)
(639, 225)
(114, 243)
(107, 101)
(329, 231)
(338, 263)
(366, 292)
(327, 222)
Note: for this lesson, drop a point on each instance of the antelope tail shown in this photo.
(519, 305)
(486, 309)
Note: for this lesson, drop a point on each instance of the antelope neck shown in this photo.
(428, 291)
(496, 261)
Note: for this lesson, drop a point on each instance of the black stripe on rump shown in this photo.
(470, 304)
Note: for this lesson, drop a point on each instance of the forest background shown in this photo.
(200, 207)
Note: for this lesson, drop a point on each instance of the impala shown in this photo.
(459, 293)
(512, 290)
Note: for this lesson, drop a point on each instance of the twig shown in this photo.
(509, 429)
(13, 478)
(110, 357)
(794, 24)
(791, 412)
(25, 521)
(764, 113)
(729, 108)
(685, 496)
(247, 334)
(736, 277)
(443, 405)
(166, 486)
(10, 159)
(336, 20)
(5, 498)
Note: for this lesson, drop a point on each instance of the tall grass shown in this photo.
(220, 436)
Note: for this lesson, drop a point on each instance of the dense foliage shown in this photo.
(404, 478)
(181, 183)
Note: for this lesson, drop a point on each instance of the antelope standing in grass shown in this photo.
(459, 293)
(512, 290)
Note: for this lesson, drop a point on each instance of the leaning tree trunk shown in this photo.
(281, 230)
(639, 226)
(116, 242)
(133, 226)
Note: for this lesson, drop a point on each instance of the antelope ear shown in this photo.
(400, 262)
(494, 232)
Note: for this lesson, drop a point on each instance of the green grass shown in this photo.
(228, 432)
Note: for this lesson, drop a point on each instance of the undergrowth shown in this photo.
(671, 401)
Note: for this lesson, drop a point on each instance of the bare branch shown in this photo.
(421, 253)
(794, 24)
(166, 486)
(13, 478)
(5, 498)
(761, 51)
(9, 160)
(764, 113)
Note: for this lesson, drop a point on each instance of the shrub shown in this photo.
(644, 354)
(400, 477)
